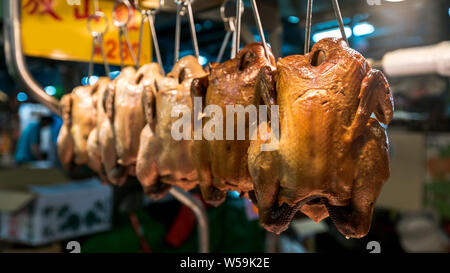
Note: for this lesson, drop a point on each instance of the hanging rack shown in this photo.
(16, 60)
(149, 16)
(338, 15)
(97, 39)
(260, 29)
(182, 5)
(123, 32)
(230, 26)
(18, 69)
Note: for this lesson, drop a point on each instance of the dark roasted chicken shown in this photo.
(332, 156)
(222, 164)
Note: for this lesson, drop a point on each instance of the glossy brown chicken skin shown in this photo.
(222, 164)
(162, 160)
(332, 157)
(119, 133)
(79, 119)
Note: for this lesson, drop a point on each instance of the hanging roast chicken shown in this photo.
(332, 156)
(162, 160)
(222, 164)
(93, 144)
(79, 119)
(119, 133)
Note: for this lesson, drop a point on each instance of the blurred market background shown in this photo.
(42, 207)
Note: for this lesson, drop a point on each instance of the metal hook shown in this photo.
(148, 15)
(97, 39)
(123, 32)
(239, 10)
(181, 8)
(230, 26)
(337, 13)
(260, 29)
(308, 25)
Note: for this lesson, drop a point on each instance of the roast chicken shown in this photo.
(332, 157)
(162, 160)
(222, 164)
(79, 119)
(93, 144)
(119, 133)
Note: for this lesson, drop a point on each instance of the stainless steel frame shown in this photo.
(17, 68)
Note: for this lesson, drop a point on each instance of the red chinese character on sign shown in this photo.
(84, 14)
(41, 7)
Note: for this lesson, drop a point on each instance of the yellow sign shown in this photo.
(57, 29)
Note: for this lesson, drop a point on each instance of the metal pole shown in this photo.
(238, 26)
(177, 33)
(15, 59)
(155, 40)
(200, 212)
(223, 46)
(260, 28)
(337, 13)
(193, 34)
(308, 25)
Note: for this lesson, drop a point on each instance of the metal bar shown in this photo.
(192, 26)
(337, 13)
(141, 32)
(15, 59)
(233, 45)
(238, 26)
(308, 26)
(91, 62)
(121, 49)
(155, 40)
(130, 48)
(177, 33)
(102, 51)
(260, 28)
(200, 212)
(223, 46)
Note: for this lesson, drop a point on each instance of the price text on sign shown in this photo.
(57, 29)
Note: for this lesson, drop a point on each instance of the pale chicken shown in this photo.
(79, 119)
(119, 133)
(163, 160)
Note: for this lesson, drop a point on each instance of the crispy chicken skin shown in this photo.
(79, 120)
(332, 157)
(162, 160)
(222, 164)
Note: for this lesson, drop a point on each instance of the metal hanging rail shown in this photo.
(18, 69)
(15, 59)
